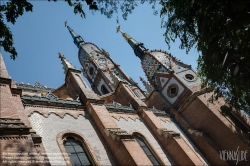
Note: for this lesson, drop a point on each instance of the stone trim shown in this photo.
(5, 81)
(13, 137)
(61, 115)
(50, 100)
(195, 132)
(168, 133)
(36, 86)
(117, 133)
(133, 117)
(60, 138)
(150, 146)
(165, 119)
(10, 126)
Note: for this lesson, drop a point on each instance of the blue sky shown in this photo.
(41, 34)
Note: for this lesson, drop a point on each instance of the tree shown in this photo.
(15, 8)
(12, 10)
(216, 28)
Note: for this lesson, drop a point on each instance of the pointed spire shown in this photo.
(77, 38)
(148, 87)
(138, 48)
(3, 70)
(66, 64)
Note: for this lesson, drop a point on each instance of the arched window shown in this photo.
(147, 151)
(76, 152)
(104, 90)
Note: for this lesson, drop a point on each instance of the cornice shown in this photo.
(118, 108)
(50, 100)
(36, 86)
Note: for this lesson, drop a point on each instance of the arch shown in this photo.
(104, 90)
(147, 148)
(83, 146)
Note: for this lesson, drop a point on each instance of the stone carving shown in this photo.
(159, 112)
(36, 86)
(50, 100)
(117, 133)
(117, 107)
(195, 132)
(167, 133)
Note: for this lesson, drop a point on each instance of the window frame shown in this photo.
(61, 138)
(151, 149)
(170, 87)
(104, 88)
(78, 143)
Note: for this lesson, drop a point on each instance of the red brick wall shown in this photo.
(201, 118)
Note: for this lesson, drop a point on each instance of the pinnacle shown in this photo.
(3, 70)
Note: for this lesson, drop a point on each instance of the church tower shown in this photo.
(177, 90)
(101, 71)
(165, 73)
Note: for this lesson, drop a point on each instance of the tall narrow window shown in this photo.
(148, 152)
(76, 152)
(137, 93)
(104, 90)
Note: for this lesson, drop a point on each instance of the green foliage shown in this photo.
(215, 28)
(12, 10)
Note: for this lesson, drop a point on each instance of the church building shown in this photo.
(116, 122)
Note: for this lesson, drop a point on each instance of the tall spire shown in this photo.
(77, 38)
(66, 64)
(138, 48)
(3, 70)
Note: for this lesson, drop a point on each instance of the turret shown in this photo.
(66, 64)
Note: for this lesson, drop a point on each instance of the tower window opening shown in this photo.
(137, 93)
(76, 152)
(104, 90)
(147, 151)
(91, 71)
(172, 90)
(189, 77)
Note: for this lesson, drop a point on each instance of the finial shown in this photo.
(126, 36)
(60, 55)
(118, 29)
(66, 64)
